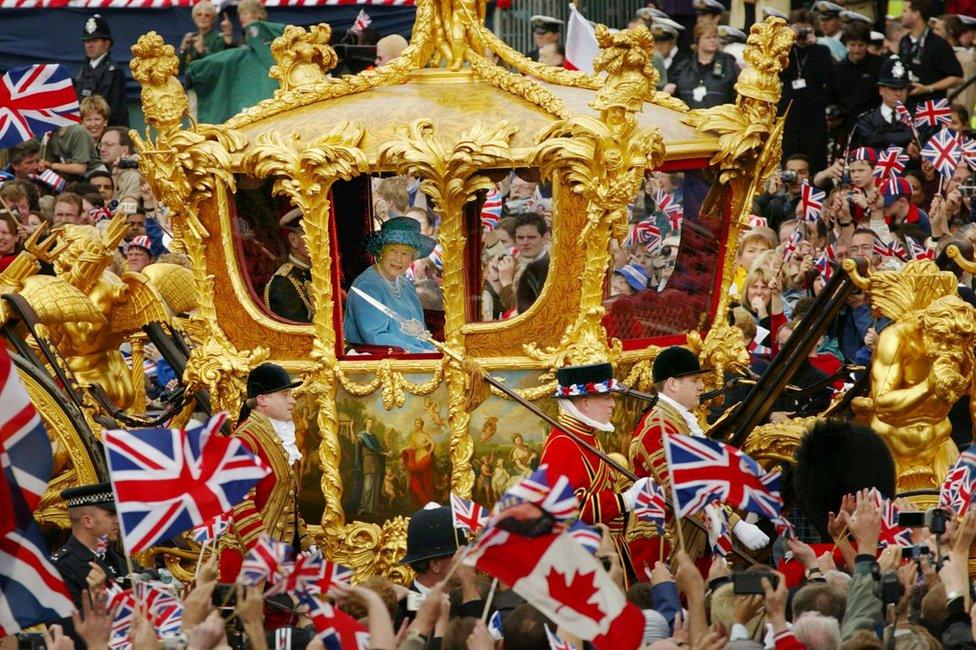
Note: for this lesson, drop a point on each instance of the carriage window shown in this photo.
(515, 224)
(386, 266)
(662, 275)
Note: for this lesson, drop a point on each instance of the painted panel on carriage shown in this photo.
(393, 462)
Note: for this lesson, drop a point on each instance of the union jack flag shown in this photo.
(784, 527)
(943, 151)
(555, 643)
(31, 589)
(891, 162)
(588, 536)
(643, 232)
(34, 100)
(812, 201)
(824, 267)
(933, 112)
(336, 629)
(101, 546)
(99, 214)
(436, 258)
(467, 514)
(667, 204)
(555, 497)
(167, 481)
(894, 249)
(903, 115)
(302, 575)
(969, 152)
(755, 221)
(212, 529)
(362, 22)
(491, 211)
(789, 251)
(124, 604)
(333, 573)
(495, 625)
(51, 179)
(265, 561)
(918, 252)
(162, 608)
(650, 505)
(891, 533)
(957, 488)
(719, 536)
(703, 471)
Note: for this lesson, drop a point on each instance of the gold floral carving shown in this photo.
(184, 168)
(305, 172)
(774, 444)
(750, 137)
(603, 160)
(393, 384)
(451, 179)
(302, 57)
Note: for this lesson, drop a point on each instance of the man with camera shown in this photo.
(116, 149)
(778, 203)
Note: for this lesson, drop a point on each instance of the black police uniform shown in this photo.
(874, 129)
(808, 88)
(859, 86)
(929, 59)
(106, 79)
(72, 561)
(717, 78)
(287, 293)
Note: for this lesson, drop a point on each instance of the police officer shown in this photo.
(288, 293)
(99, 75)
(545, 30)
(89, 557)
(881, 128)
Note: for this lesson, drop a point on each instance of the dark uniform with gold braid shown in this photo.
(288, 292)
(647, 456)
(272, 506)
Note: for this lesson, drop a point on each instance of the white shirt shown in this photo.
(94, 62)
(887, 113)
(286, 433)
(686, 415)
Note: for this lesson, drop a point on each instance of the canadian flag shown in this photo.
(565, 582)
(581, 45)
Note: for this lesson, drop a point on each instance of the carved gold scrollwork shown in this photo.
(303, 57)
(451, 178)
(185, 168)
(305, 172)
(394, 385)
(750, 137)
(604, 160)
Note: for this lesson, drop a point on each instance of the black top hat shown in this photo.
(269, 378)
(96, 27)
(431, 534)
(592, 379)
(96, 494)
(893, 73)
(675, 362)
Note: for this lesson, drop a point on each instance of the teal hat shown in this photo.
(400, 230)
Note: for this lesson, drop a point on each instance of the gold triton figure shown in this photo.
(923, 365)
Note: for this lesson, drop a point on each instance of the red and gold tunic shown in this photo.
(647, 458)
(593, 480)
(271, 506)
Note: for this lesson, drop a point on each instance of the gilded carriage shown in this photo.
(448, 115)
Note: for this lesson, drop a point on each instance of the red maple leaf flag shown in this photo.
(565, 582)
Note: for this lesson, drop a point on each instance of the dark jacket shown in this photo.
(928, 60)
(859, 86)
(107, 80)
(815, 66)
(718, 78)
(874, 131)
(531, 281)
(287, 293)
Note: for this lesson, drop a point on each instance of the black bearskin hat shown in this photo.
(834, 458)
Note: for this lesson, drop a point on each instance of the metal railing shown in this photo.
(512, 25)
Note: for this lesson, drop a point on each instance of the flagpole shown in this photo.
(677, 517)
(203, 549)
(489, 599)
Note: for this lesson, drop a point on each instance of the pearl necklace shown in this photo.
(395, 288)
